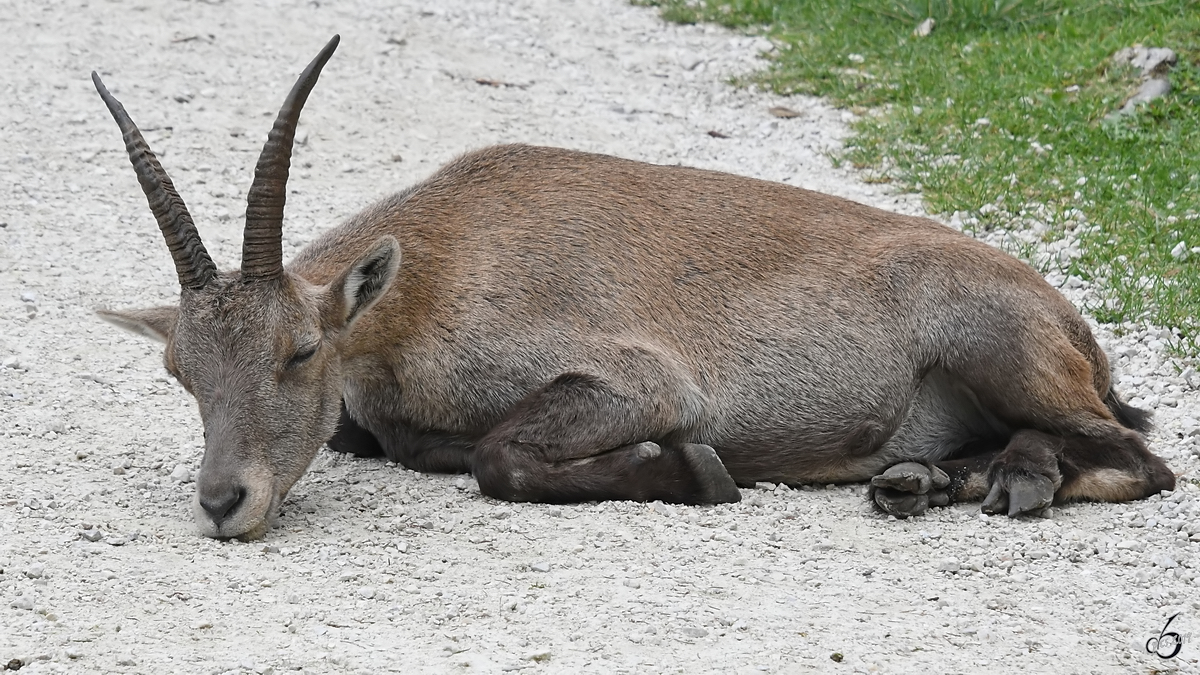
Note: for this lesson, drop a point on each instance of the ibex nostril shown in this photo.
(221, 502)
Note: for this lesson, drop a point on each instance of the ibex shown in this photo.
(572, 327)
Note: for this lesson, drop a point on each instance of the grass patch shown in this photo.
(1002, 108)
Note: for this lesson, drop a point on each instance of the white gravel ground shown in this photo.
(373, 568)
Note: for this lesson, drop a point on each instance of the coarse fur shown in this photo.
(570, 326)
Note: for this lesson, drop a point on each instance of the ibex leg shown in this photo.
(582, 438)
(353, 439)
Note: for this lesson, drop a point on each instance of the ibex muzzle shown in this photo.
(574, 327)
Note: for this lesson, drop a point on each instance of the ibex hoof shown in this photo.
(909, 489)
(716, 485)
(1025, 495)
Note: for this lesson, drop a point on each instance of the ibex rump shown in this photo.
(572, 327)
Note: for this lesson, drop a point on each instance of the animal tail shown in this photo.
(1129, 416)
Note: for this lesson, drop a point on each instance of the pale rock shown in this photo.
(948, 565)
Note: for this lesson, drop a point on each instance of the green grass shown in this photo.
(1005, 103)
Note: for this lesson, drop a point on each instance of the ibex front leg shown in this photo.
(582, 438)
(351, 438)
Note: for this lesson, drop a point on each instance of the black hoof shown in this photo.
(716, 486)
(1024, 494)
(909, 489)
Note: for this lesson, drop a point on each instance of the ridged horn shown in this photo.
(192, 264)
(262, 246)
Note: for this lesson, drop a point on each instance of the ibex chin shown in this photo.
(572, 327)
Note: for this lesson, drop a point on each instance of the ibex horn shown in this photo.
(192, 263)
(262, 247)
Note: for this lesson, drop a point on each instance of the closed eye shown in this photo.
(301, 356)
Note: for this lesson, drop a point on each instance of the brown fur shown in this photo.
(1106, 485)
(572, 326)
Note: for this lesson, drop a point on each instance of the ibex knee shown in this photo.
(500, 474)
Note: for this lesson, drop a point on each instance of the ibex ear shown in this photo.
(367, 279)
(155, 323)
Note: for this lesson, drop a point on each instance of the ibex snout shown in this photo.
(232, 504)
(220, 500)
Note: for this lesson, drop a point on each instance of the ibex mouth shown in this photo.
(245, 530)
(257, 532)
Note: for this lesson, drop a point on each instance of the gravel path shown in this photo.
(373, 568)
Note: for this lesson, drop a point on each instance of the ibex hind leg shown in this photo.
(1037, 469)
(941, 452)
(1014, 477)
(1114, 467)
(578, 439)
(1069, 441)
(911, 488)
(1032, 471)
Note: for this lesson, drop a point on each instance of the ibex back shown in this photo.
(573, 327)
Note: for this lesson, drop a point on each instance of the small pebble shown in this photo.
(540, 566)
(1164, 561)
(540, 654)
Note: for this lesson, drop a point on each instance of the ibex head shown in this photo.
(258, 347)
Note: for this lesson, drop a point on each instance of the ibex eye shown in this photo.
(302, 355)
